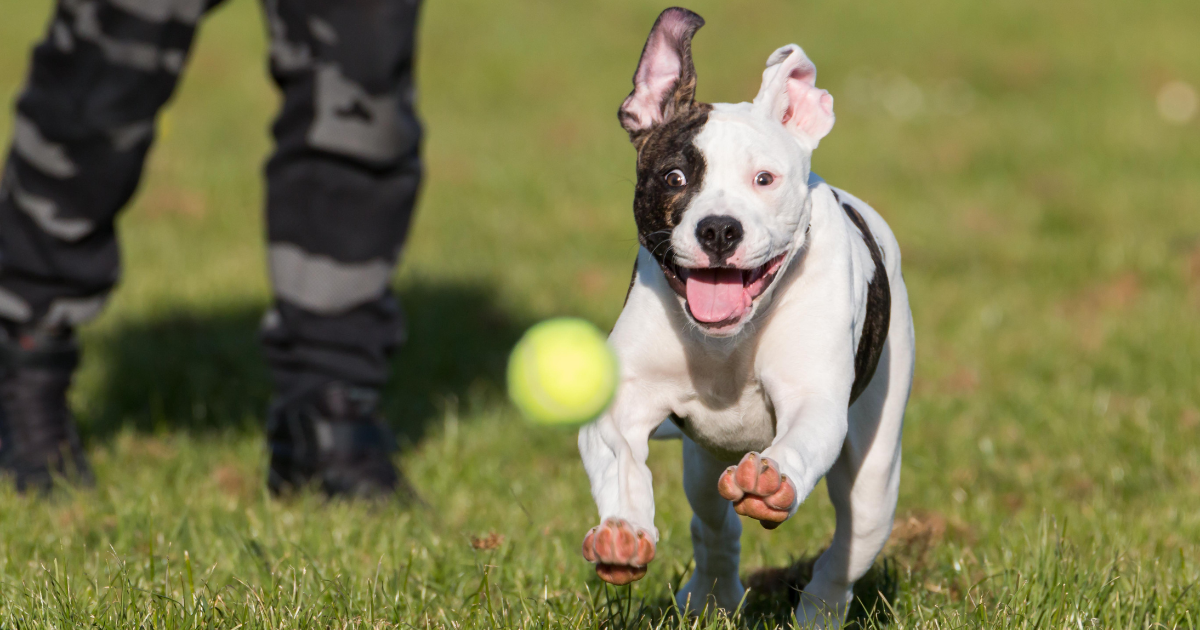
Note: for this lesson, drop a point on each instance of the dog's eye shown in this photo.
(675, 179)
(764, 178)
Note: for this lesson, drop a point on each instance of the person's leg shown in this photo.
(83, 125)
(340, 192)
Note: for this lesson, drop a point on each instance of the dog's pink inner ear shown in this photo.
(809, 109)
(789, 94)
(654, 81)
(664, 70)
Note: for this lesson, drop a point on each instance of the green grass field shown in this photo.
(1050, 223)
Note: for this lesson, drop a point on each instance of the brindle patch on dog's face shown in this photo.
(658, 207)
(663, 119)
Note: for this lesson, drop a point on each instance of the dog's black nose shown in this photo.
(719, 236)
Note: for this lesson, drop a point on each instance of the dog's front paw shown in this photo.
(619, 550)
(758, 490)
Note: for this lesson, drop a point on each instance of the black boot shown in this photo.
(38, 439)
(333, 436)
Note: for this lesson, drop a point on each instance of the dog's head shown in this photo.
(722, 198)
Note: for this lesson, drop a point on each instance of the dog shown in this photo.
(766, 323)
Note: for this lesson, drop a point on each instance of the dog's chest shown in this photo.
(726, 411)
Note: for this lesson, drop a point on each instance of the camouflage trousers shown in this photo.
(341, 183)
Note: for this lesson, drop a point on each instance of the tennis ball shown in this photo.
(562, 372)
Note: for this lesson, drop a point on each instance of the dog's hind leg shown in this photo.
(864, 482)
(716, 535)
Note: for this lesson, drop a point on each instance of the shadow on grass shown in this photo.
(774, 594)
(204, 372)
(771, 599)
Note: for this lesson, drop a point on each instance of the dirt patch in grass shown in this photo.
(1088, 308)
(487, 543)
(233, 482)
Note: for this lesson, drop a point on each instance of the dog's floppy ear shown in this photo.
(665, 82)
(789, 94)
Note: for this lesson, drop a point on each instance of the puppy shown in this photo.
(767, 319)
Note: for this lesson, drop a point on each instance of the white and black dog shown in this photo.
(767, 319)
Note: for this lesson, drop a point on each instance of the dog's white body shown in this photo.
(775, 382)
(762, 391)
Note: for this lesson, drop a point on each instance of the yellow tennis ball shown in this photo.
(562, 372)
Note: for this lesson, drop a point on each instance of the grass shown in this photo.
(1050, 222)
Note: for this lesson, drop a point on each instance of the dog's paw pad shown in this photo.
(758, 489)
(619, 550)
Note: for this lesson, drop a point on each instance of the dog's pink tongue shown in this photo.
(714, 295)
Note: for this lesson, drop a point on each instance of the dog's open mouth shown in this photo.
(721, 296)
